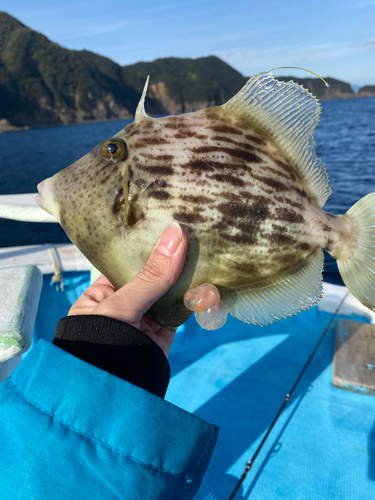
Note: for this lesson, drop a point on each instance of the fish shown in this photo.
(243, 181)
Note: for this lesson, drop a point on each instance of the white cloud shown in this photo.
(250, 61)
(365, 3)
(370, 43)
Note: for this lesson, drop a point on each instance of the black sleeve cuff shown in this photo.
(117, 348)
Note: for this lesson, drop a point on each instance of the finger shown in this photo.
(92, 296)
(102, 280)
(159, 273)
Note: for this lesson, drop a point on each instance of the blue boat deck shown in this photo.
(323, 445)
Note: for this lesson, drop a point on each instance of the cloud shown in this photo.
(250, 61)
(365, 3)
(370, 43)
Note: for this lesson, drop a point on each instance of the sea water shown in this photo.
(345, 141)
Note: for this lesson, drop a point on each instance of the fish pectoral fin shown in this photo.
(289, 114)
(265, 302)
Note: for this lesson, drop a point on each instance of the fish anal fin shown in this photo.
(289, 114)
(265, 302)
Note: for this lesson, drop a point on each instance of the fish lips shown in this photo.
(45, 198)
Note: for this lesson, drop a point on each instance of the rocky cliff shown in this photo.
(42, 83)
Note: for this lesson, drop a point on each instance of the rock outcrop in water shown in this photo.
(336, 90)
(367, 91)
(42, 83)
(6, 126)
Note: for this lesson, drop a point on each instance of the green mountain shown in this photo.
(42, 83)
(183, 85)
(367, 91)
(336, 90)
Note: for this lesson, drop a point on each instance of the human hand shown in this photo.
(130, 302)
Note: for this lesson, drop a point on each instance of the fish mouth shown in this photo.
(44, 197)
(38, 198)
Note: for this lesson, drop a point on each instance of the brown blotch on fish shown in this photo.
(188, 134)
(134, 132)
(225, 129)
(103, 181)
(281, 239)
(243, 145)
(257, 198)
(272, 183)
(247, 232)
(212, 115)
(287, 215)
(189, 198)
(304, 246)
(188, 218)
(159, 195)
(326, 228)
(230, 179)
(200, 165)
(240, 154)
(173, 126)
(160, 157)
(258, 211)
(256, 140)
(278, 228)
(246, 267)
(158, 170)
(153, 141)
(288, 201)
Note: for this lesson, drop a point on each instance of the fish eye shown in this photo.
(114, 149)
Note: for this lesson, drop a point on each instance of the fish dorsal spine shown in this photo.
(289, 114)
(140, 113)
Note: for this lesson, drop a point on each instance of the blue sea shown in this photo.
(345, 141)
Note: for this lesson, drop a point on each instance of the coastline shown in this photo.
(6, 126)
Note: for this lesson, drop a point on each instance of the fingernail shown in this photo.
(170, 239)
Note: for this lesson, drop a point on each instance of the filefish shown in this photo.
(244, 183)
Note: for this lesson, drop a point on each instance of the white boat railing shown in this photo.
(23, 207)
(21, 270)
(49, 258)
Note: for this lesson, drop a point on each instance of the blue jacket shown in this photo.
(69, 430)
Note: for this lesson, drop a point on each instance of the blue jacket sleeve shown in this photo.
(94, 436)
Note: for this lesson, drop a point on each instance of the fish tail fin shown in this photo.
(358, 271)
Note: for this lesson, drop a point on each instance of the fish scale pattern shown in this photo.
(289, 113)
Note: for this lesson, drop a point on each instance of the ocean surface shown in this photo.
(345, 141)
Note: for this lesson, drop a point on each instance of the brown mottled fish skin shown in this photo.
(246, 211)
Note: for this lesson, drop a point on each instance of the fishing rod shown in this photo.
(249, 464)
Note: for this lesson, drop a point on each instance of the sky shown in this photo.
(332, 38)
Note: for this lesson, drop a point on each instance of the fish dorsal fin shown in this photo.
(266, 302)
(140, 113)
(289, 114)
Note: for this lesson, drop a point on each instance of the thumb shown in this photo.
(157, 276)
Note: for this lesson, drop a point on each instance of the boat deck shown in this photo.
(323, 445)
